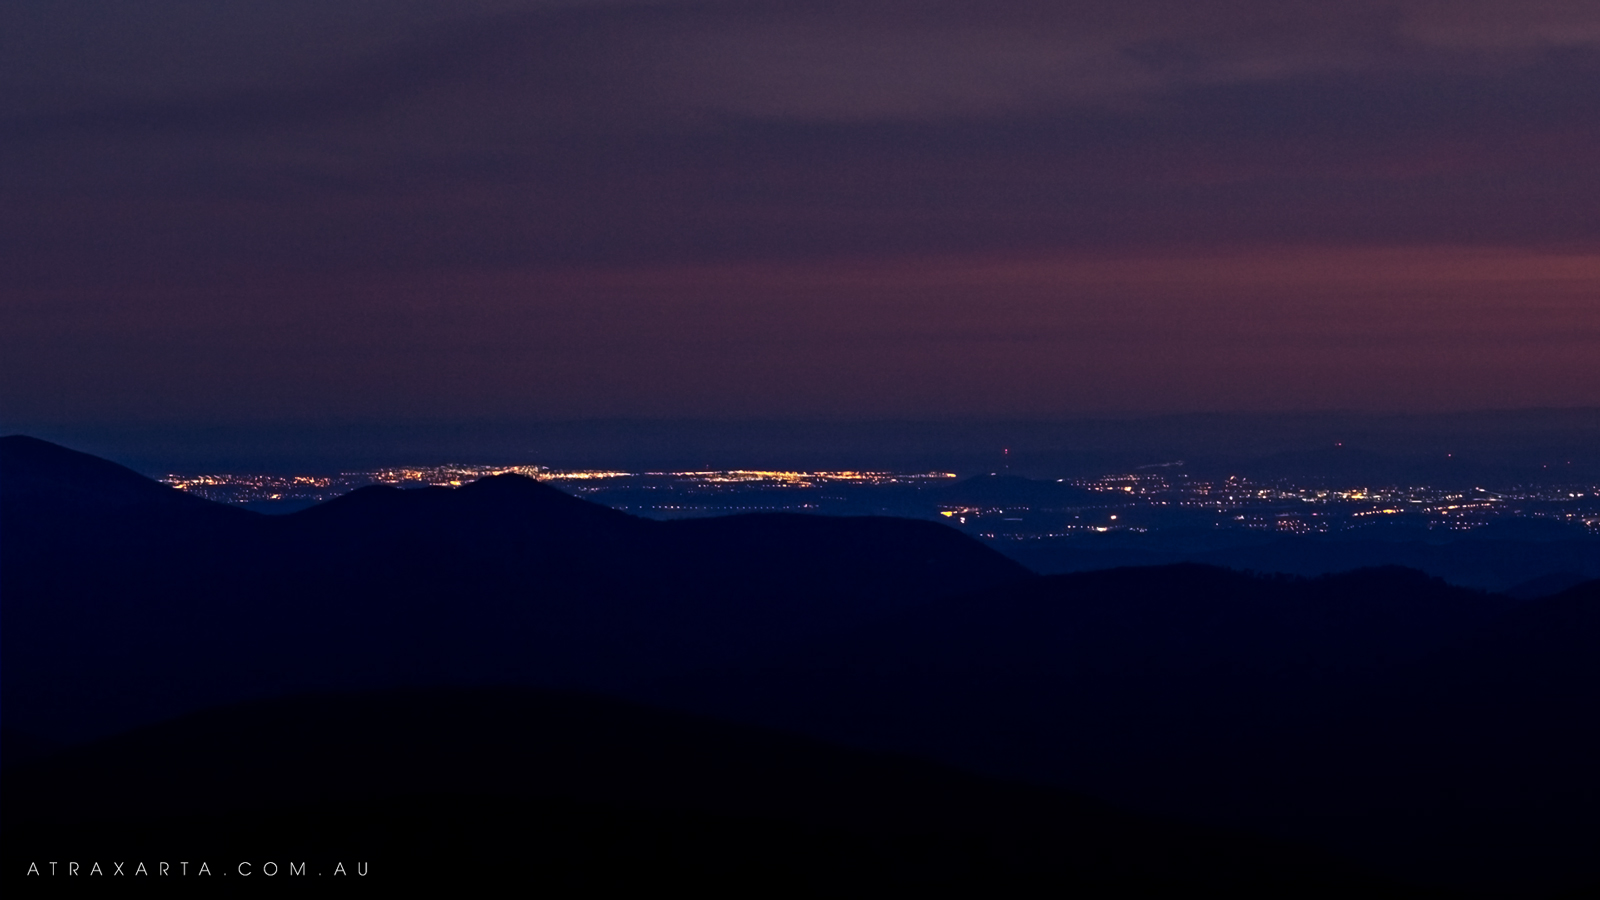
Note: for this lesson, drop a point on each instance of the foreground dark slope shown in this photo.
(127, 602)
(578, 793)
(1116, 676)
(1442, 733)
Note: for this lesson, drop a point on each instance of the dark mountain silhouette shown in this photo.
(1428, 729)
(37, 476)
(1127, 655)
(153, 603)
(1435, 731)
(56, 502)
(1475, 561)
(578, 792)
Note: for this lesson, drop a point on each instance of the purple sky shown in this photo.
(229, 211)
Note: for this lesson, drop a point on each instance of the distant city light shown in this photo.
(1312, 506)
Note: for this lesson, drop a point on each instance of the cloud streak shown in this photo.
(206, 150)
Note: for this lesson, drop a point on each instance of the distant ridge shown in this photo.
(508, 492)
(33, 471)
(147, 603)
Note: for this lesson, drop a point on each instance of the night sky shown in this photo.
(227, 211)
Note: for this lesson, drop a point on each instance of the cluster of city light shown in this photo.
(1237, 502)
(441, 476)
(245, 488)
(1316, 508)
(759, 476)
(583, 475)
(235, 488)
